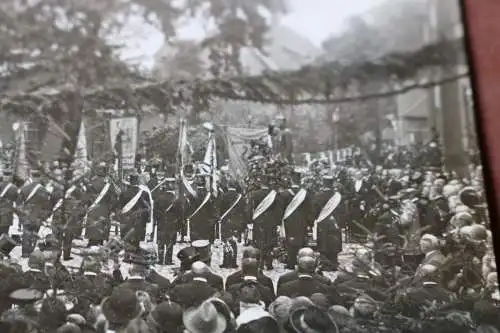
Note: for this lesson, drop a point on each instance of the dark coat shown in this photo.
(164, 202)
(202, 223)
(137, 217)
(297, 223)
(37, 280)
(216, 281)
(98, 223)
(237, 277)
(37, 208)
(6, 203)
(237, 217)
(294, 275)
(192, 294)
(307, 286)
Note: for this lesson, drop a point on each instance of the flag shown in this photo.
(209, 165)
(81, 163)
(184, 149)
(184, 153)
(238, 141)
(21, 165)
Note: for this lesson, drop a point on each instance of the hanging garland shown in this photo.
(327, 83)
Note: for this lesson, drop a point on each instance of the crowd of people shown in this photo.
(423, 256)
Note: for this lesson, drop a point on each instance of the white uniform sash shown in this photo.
(207, 197)
(264, 204)
(32, 193)
(66, 196)
(4, 192)
(297, 200)
(326, 211)
(101, 195)
(231, 208)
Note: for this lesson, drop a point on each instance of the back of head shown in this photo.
(249, 267)
(306, 265)
(199, 269)
(69, 328)
(280, 309)
(305, 252)
(250, 294)
(251, 252)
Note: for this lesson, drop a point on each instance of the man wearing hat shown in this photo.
(34, 201)
(8, 196)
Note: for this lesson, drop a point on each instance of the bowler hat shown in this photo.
(312, 319)
(122, 306)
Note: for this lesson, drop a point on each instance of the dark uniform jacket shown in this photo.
(202, 223)
(37, 208)
(98, 223)
(7, 200)
(138, 216)
(164, 202)
(236, 219)
(297, 223)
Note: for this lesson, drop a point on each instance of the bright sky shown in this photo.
(314, 19)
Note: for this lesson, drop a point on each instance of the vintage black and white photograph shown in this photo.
(241, 166)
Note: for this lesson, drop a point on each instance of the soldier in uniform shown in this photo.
(8, 196)
(296, 220)
(329, 242)
(203, 221)
(69, 213)
(101, 195)
(232, 222)
(134, 214)
(35, 203)
(166, 219)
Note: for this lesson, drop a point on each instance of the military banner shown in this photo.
(125, 131)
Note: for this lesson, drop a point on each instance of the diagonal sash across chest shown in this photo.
(297, 200)
(100, 196)
(4, 192)
(264, 204)
(231, 208)
(33, 192)
(326, 211)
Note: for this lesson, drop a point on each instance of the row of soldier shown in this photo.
(91, 203)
